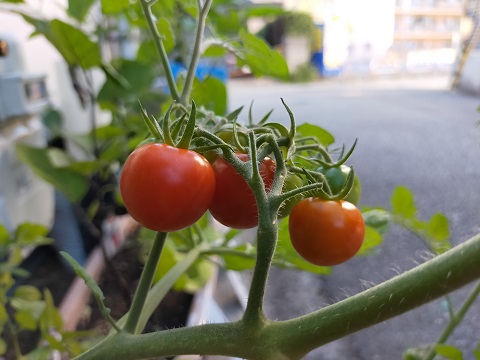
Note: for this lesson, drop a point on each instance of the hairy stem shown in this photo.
(202, 16)
(424, 283)
(145, 283)
(292, 339)
(455, 320)
(147, 11)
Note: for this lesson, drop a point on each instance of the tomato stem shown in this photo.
(202, 16)
(455, 320)
(147, 12)
(145, 283)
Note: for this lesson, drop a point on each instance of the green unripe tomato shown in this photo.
(292, 181)
(336, 178)
(226, 134)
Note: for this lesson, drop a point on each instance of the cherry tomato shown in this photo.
(165, 188)
(292, 181)
(233, 203)
(336, 178)
(326, 232)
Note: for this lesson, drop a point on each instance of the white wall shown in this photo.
(41, 57)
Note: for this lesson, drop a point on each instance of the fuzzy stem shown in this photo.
(145, 283)
(202, 16)
(294, 338)
(455, 320)
(147, 11)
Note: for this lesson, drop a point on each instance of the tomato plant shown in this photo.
(292, 181)
(326, 232)
(233, 203)
(337, 177)
(165, 188)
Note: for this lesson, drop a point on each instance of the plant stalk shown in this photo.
(145, 283)
(455, 320)
(202, 16)
(147, 11)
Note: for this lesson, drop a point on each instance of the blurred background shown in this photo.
(401, 76)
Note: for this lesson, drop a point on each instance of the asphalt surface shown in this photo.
(411, 132)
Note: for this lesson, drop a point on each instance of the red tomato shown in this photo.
(233, 203)
(326, 232)
(165, 188)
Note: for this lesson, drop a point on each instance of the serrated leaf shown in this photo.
(89, 281)
(448, 351)
(79, 9)
(322, 135)
(402, 203)
(114, 6)
(260, 58)
(28, 293)
(372, 239)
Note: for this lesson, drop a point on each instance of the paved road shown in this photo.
(412, 132)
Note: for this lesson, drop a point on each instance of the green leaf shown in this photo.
(29, 234)
(372, 239)
(244, 259)
(74, 45)
(35, 308)
(448, 351)
(26, 320)
(378, 219)
(210, 93)
(72, 184)
(437, 228)
(53, 120)
(261, 59)
(147, 53)
(139, 77)
(476, 353)
(167, 34)
(40, 353)
(28, 293)
(322, 135)
(3, 316)
(3, 347)
(114, 6)
(78, 9)
(437, 232)
(89, 281)
(4, 236)
(215, 50)
(403, 203)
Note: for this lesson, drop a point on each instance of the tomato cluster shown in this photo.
(167, 189)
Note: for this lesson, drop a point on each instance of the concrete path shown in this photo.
(412, 132)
